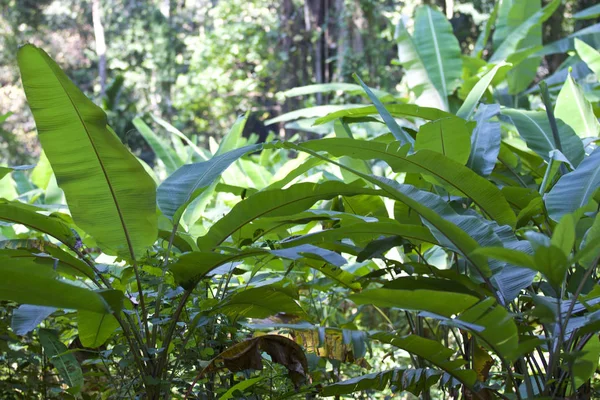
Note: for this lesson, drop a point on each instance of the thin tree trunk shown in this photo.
(100, 44)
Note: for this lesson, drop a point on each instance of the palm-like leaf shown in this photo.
(109, 193)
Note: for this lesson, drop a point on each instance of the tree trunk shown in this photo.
(100, 44)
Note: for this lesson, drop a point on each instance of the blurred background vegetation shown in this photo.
(200, 63)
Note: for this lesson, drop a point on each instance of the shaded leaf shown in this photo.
(26, 318)
(65, 362)
(575, 189)
(534, 128)
(485, 140)
(448, 136)
(94, 328)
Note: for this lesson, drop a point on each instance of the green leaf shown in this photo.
(485, 140)
(163, 150)
(26, 318)
(586, 364)
(432, 351)
(34, 281)
(573, 108)
(273, 203)
(399, 133)
(512, 256)
(32, 249)
(364, 231)
(428, 207)
(396, 110)
(30, 216)
(230, 141)
(191, 267)
(417, 299)
(575, 189)
(525, 70)
(203, 154)
(468, 107)
(310, 112)
(439, 50)
(448, 136)
(410, 380)
(591, 244)
(259, 302)
(534, 127)
(563, 236)
(241, 387)
(511, 43)
(553, 263)
(589, 55)
(42, 173)
(67, 365)
(416, 75)
(94, 328)
(588, 13)
(349, 88)
(485, 194)
(109, 193)
(494, 325)
(191, 180)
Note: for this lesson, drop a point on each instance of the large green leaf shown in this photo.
(163, 150)
(34, 281)
(310, 112)
(534, 127)
(428, 207)
(432, 351)
(575, 189)
(589, 55)
(448, 136)
(494, 325)
(191, 267)
(485, 140)
(590, 35)
(511, 43)
(396, 110)
(31, 217)
(259, 302)
(273, 203)
(573, 108)
(109, 193)
(94, 328)
(439, 49)
(409, 380)
(416, 75)
(32, 249)
(364, 231)
(27, 317)
(349, 88)
(65, 362)
(588, 13)
(486, 195)
(191, 180)
(444, 303)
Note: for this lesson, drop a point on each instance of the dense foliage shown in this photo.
(442, 242)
